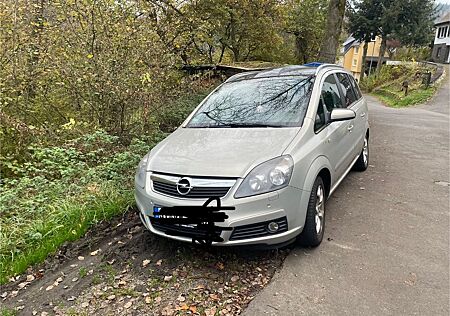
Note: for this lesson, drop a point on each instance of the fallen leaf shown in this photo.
(184, 307)
(59, 280)
(210, 311)
(220, 266)
(159, 262)
(193, 309)
(214, 297)
(4, 294)
(167, 278)
(148, 300)
(74, 279)
(128, 305)
(84, 304)
(81, 258)
(234, 278)
(22, 285)
(181, 298)
(30, 277)
(167, 311)
(72, 298)
(158, 299)
(145, 262)
(412, 279)
(111, 297)
(49, 288)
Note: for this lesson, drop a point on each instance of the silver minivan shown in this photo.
(270, 146)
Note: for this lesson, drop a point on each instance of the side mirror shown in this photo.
(342, 115)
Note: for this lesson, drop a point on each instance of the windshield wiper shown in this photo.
(247, 125)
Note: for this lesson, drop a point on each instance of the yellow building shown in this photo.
(353, 52)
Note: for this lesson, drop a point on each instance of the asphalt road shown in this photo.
(386, 244)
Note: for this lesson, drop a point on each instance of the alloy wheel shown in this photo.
(320, 208)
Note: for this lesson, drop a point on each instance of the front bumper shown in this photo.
(289, 203)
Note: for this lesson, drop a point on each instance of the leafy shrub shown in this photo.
(62, 187)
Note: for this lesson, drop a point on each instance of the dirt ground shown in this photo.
(119, 268)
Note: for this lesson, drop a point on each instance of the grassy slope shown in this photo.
(388, 86)
(416, 96)
(39, 213)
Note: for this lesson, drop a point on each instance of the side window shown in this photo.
(330, 94)
(355, 88)
(320, 120)
(347, 89)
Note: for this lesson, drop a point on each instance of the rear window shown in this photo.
(347, 89)
(355, 87)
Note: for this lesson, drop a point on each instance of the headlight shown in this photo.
(141, 171)
(269, 176)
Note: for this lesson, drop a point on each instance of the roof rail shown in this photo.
(327, 66)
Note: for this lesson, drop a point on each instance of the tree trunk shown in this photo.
(301, 47)
(363, 61)
(381, 55)
(330, 44)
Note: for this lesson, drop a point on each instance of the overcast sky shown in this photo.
(444, 1)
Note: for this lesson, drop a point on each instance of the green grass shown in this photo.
(387, 85)
(4, 311)
(398, 100)
(77, 220)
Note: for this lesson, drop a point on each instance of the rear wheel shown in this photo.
(363, 160)
(312, 233)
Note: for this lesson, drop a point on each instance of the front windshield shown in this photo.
(263, 102)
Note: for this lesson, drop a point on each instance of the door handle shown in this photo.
(363, 114)
(350, 127)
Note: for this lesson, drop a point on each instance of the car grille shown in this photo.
(202, 188)
(258, 229)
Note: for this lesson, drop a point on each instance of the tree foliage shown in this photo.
(73, 66)
(408, 21)
(306, 21)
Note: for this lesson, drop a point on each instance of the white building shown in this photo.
(441, 48)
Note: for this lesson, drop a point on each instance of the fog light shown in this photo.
(273, 227)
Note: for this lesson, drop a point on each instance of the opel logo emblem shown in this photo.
(184, 186)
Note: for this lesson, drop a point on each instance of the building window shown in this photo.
(442, 32)
(355, 62)
(438, 53)
(356, 50)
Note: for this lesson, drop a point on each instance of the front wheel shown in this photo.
(363, 160)
(312, 233)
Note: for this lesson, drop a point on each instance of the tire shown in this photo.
(363, 160)
(312, 233)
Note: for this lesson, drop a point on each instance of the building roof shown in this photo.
(445, 18)
(350, 42)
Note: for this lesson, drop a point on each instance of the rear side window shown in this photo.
(330, 94)
(347, 89)
(355, 87)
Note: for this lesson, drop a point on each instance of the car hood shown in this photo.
(220, 152)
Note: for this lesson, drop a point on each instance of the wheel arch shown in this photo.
(320, 167)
